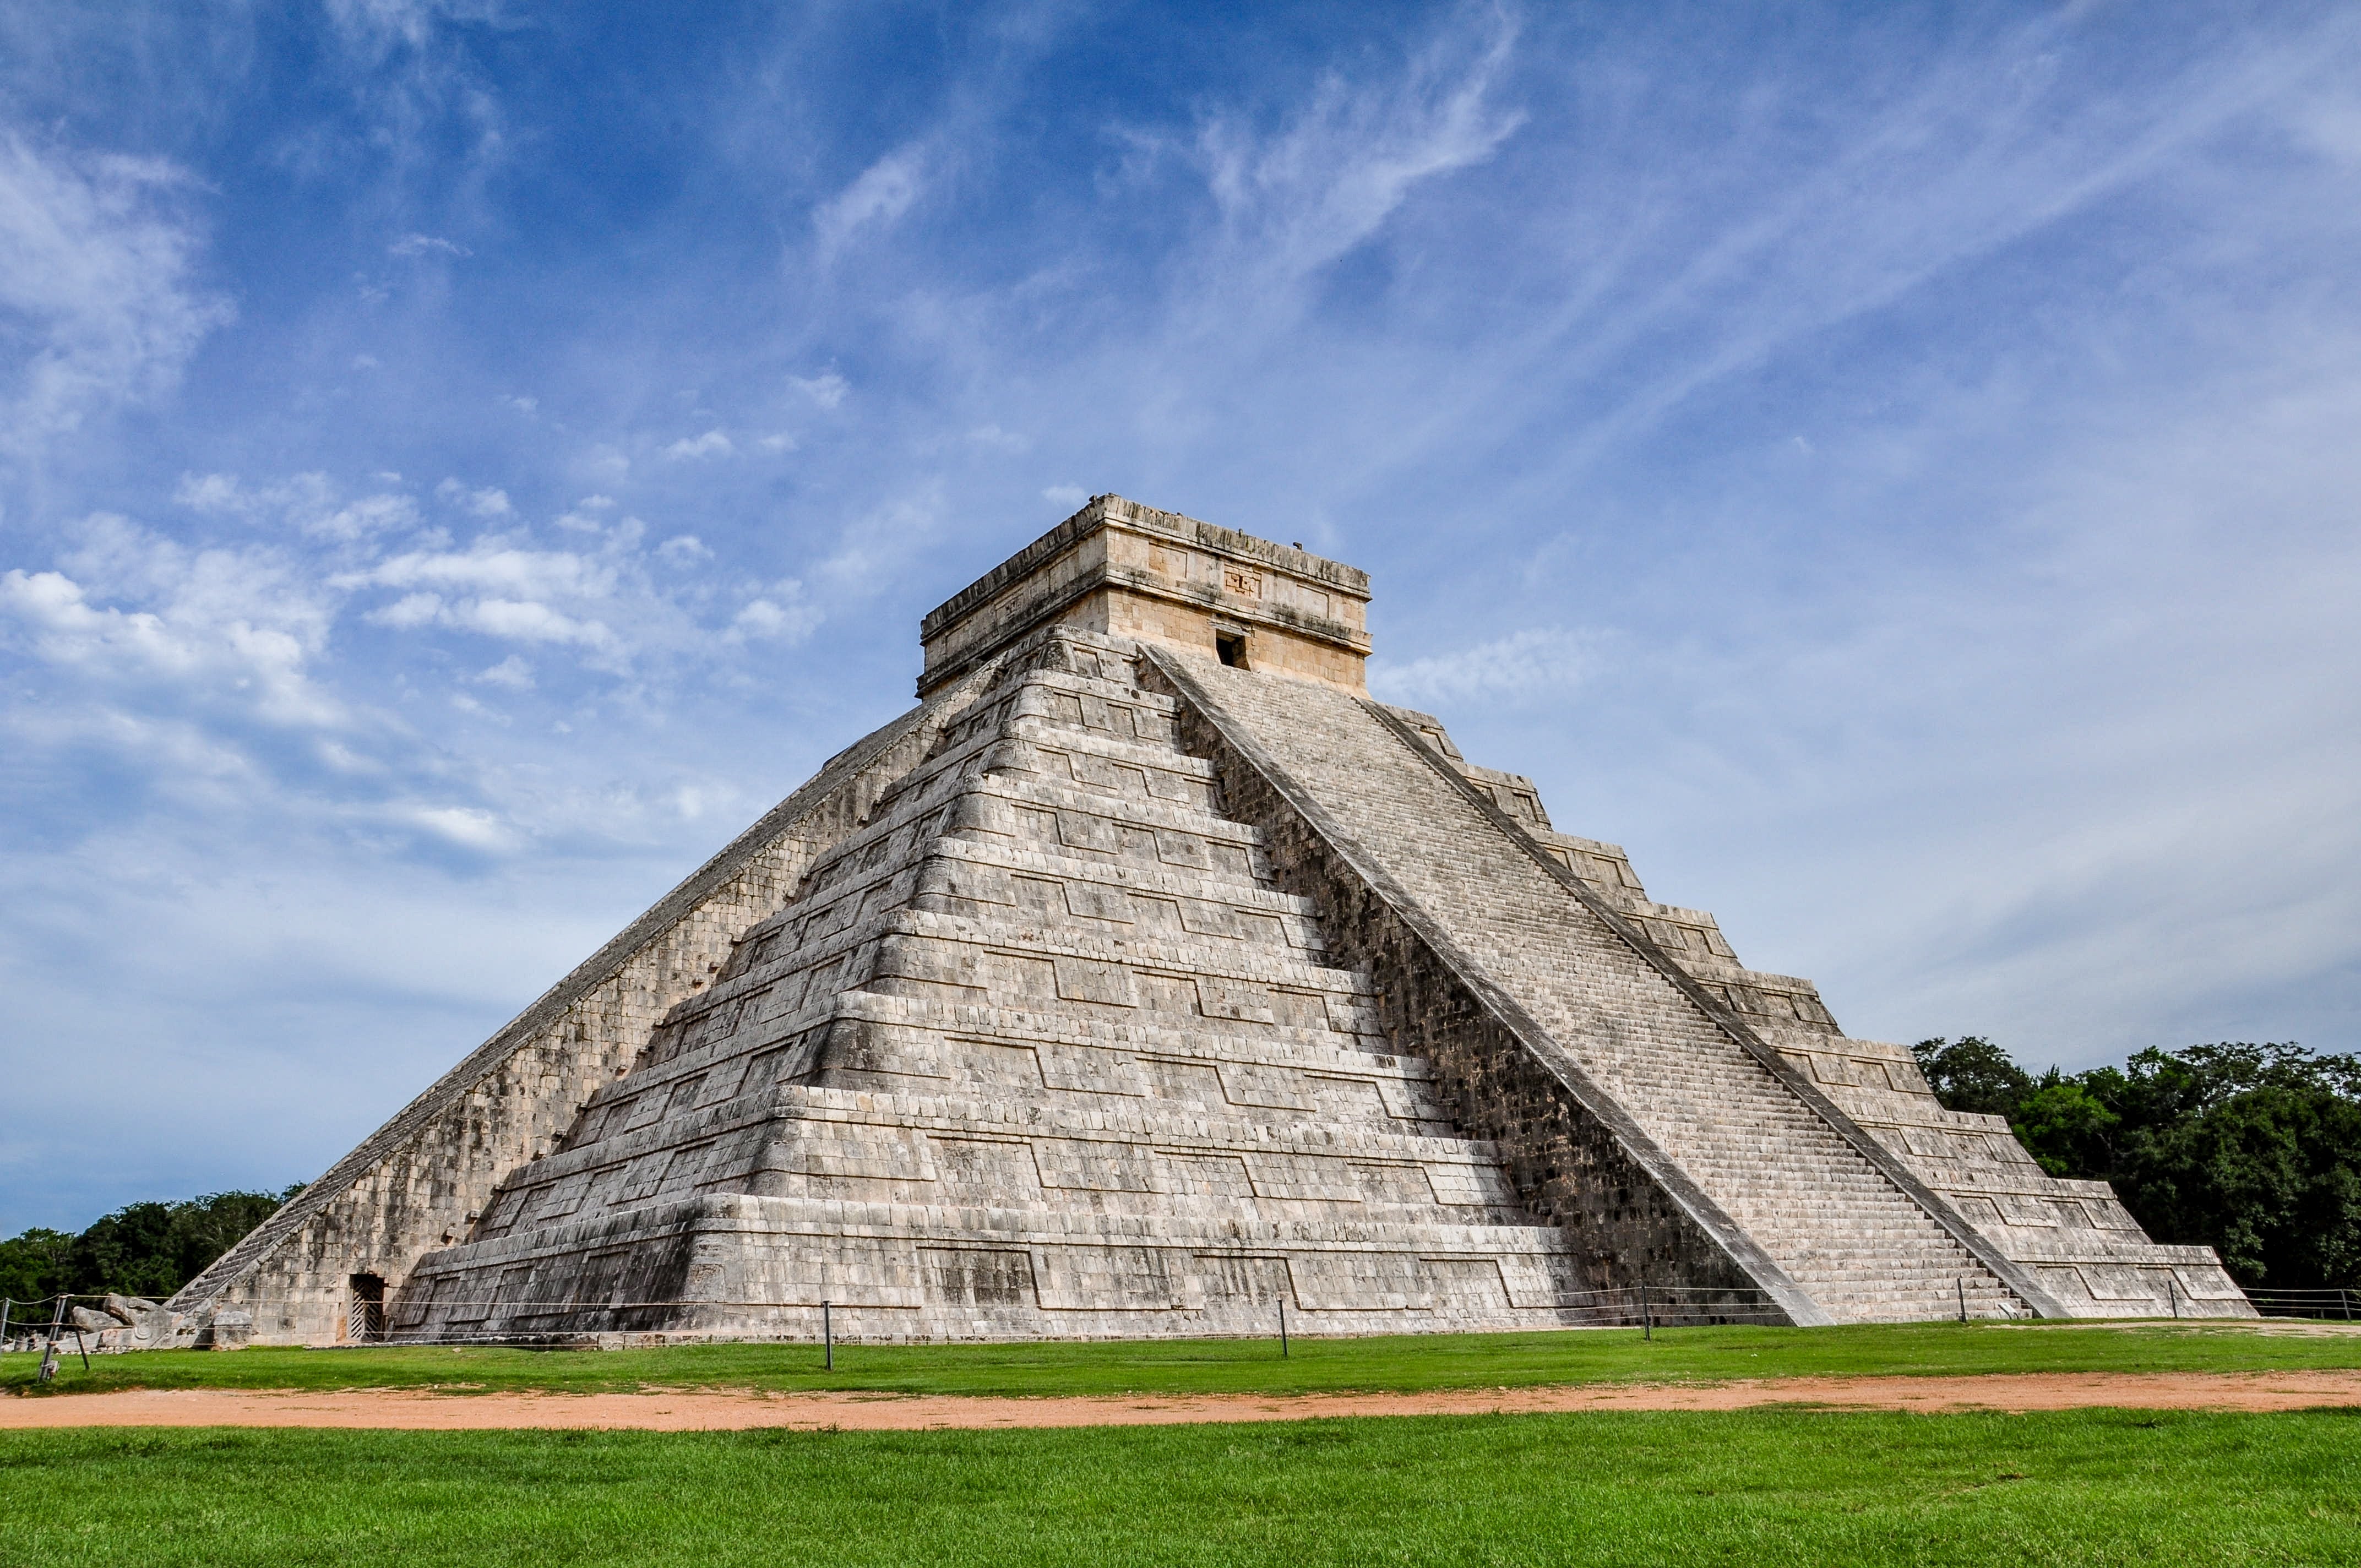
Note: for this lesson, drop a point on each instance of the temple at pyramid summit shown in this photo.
(1149, 978)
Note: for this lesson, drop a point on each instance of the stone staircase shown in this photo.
(1840, 1228)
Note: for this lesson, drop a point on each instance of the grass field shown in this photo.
(1192, 1366)
(1751, 1487)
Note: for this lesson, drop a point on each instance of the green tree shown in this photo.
(2270, 1176)
(2066, 1127)
(1972, 1074)
(128, 1250)
(2253, 1150)
(33, 1264)
(209, 1226)
(141, 1249)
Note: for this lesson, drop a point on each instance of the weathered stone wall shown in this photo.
(419, 1181)
(1269, 646)
(1122, 569)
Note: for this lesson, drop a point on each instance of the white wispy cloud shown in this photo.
(380, 25)
(779, 616)
(484, 501)
(712, 443)
(827, 388)
(226, 627)
(428, 244)
(872, 547)
(98, 306)
(409, 610)
(511, 672)
(1543, 665)
(1294, 202)
(491, 565)
(468, 827)
(993, 437)
(308, 502)
(1970, 156)
(875, 200)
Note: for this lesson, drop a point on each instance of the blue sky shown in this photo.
(1895, 469)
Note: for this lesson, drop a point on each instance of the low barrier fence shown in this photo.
(2326, 1305)
(87, 1324)
(49, 1326)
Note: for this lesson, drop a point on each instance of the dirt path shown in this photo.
(418, 1410)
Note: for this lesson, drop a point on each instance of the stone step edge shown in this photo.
(1055, 734)
(1199, 885)
(1013, 790)
(1180, 1129)
(1168, 958)
(981, 1021)
(1160, 880)
(1042, 792)
(1178, 958)
(941, 779)
(829, 1218)
(1303, 1050)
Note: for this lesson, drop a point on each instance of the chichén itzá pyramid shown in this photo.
(1144, 978)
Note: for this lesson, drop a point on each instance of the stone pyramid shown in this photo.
(1150, 977)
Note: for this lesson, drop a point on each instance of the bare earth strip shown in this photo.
(411, 1410)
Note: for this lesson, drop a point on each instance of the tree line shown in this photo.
(141, 1249)
(2252, 1150)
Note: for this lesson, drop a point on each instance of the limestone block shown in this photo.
(1234, 1000)
(1082, 980)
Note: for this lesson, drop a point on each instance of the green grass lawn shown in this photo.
(1191, 1367)
(1747, 1488)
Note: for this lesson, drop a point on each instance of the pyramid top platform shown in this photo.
(1129, 570)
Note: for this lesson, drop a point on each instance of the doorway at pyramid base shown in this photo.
(1039, 1051)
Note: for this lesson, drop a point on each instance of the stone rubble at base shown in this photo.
(117, 1323)
(1146, 978)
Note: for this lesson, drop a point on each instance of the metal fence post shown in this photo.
(1647, 1316)
(1961, 1282)
(1282, 1328)
(4, 1304)
(827, 1338)
(49, 1352)
(2173, 1294)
